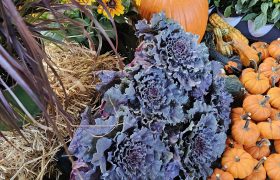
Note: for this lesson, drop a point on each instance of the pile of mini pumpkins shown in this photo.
(253, 147)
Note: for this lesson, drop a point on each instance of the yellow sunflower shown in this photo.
(138, 2)
(114, 7)
(83, 2)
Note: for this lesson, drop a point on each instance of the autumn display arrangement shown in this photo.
(167, 114)
(139, 90)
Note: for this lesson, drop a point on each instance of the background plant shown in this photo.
(118, 27)
(260, 12)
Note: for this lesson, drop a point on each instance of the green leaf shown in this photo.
(243, 1)
(252, 3)
(119, 19)
(238, 7)
(260, 21)
(126, 4)
(277, 19)
(227, 12)
(277, 24)
(249, 16)
(275, 13)
(26, 100)
(264, 8)
(108, 27)
(217, 3)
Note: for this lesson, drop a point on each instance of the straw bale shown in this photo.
(35, 158)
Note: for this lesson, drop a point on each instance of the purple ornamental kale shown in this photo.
(205, 144)
(165, 116)
(82, 142)
(81, 170)
(141, 155)
(220, 98)
(159, 95)
(176, 51)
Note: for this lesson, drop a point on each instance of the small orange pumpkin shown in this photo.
(244, 72)
(269, 129)
(255, 82)
(239, 163)
(274, 94)
(270, 68)
(258, 106)
(238, 114)
(219, 174)
(230, 143)
(274, 49)
(259, 150)
(262, 48)
(245, 132)
(259, 172)
(277, 146)
(272, 166)
(275, 114)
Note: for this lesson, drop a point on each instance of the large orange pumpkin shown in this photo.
(191, 14)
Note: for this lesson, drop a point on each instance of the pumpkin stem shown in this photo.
(264, 140)
(275, 69)
(273, 80)
(260, 163)
(277, 59)
(231, 144)
(246, 116)
(260, 56)
(265, 100)
(255, 65)
(247, 123)
(218, 177)
(269, 120)
(224, 168)
(278, 116)
(237, 159)
(245, 92)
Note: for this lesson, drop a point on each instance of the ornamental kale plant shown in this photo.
(164, 117)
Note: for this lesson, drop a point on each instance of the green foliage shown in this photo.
(260, 12)
(26, 100)
(123, 24)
